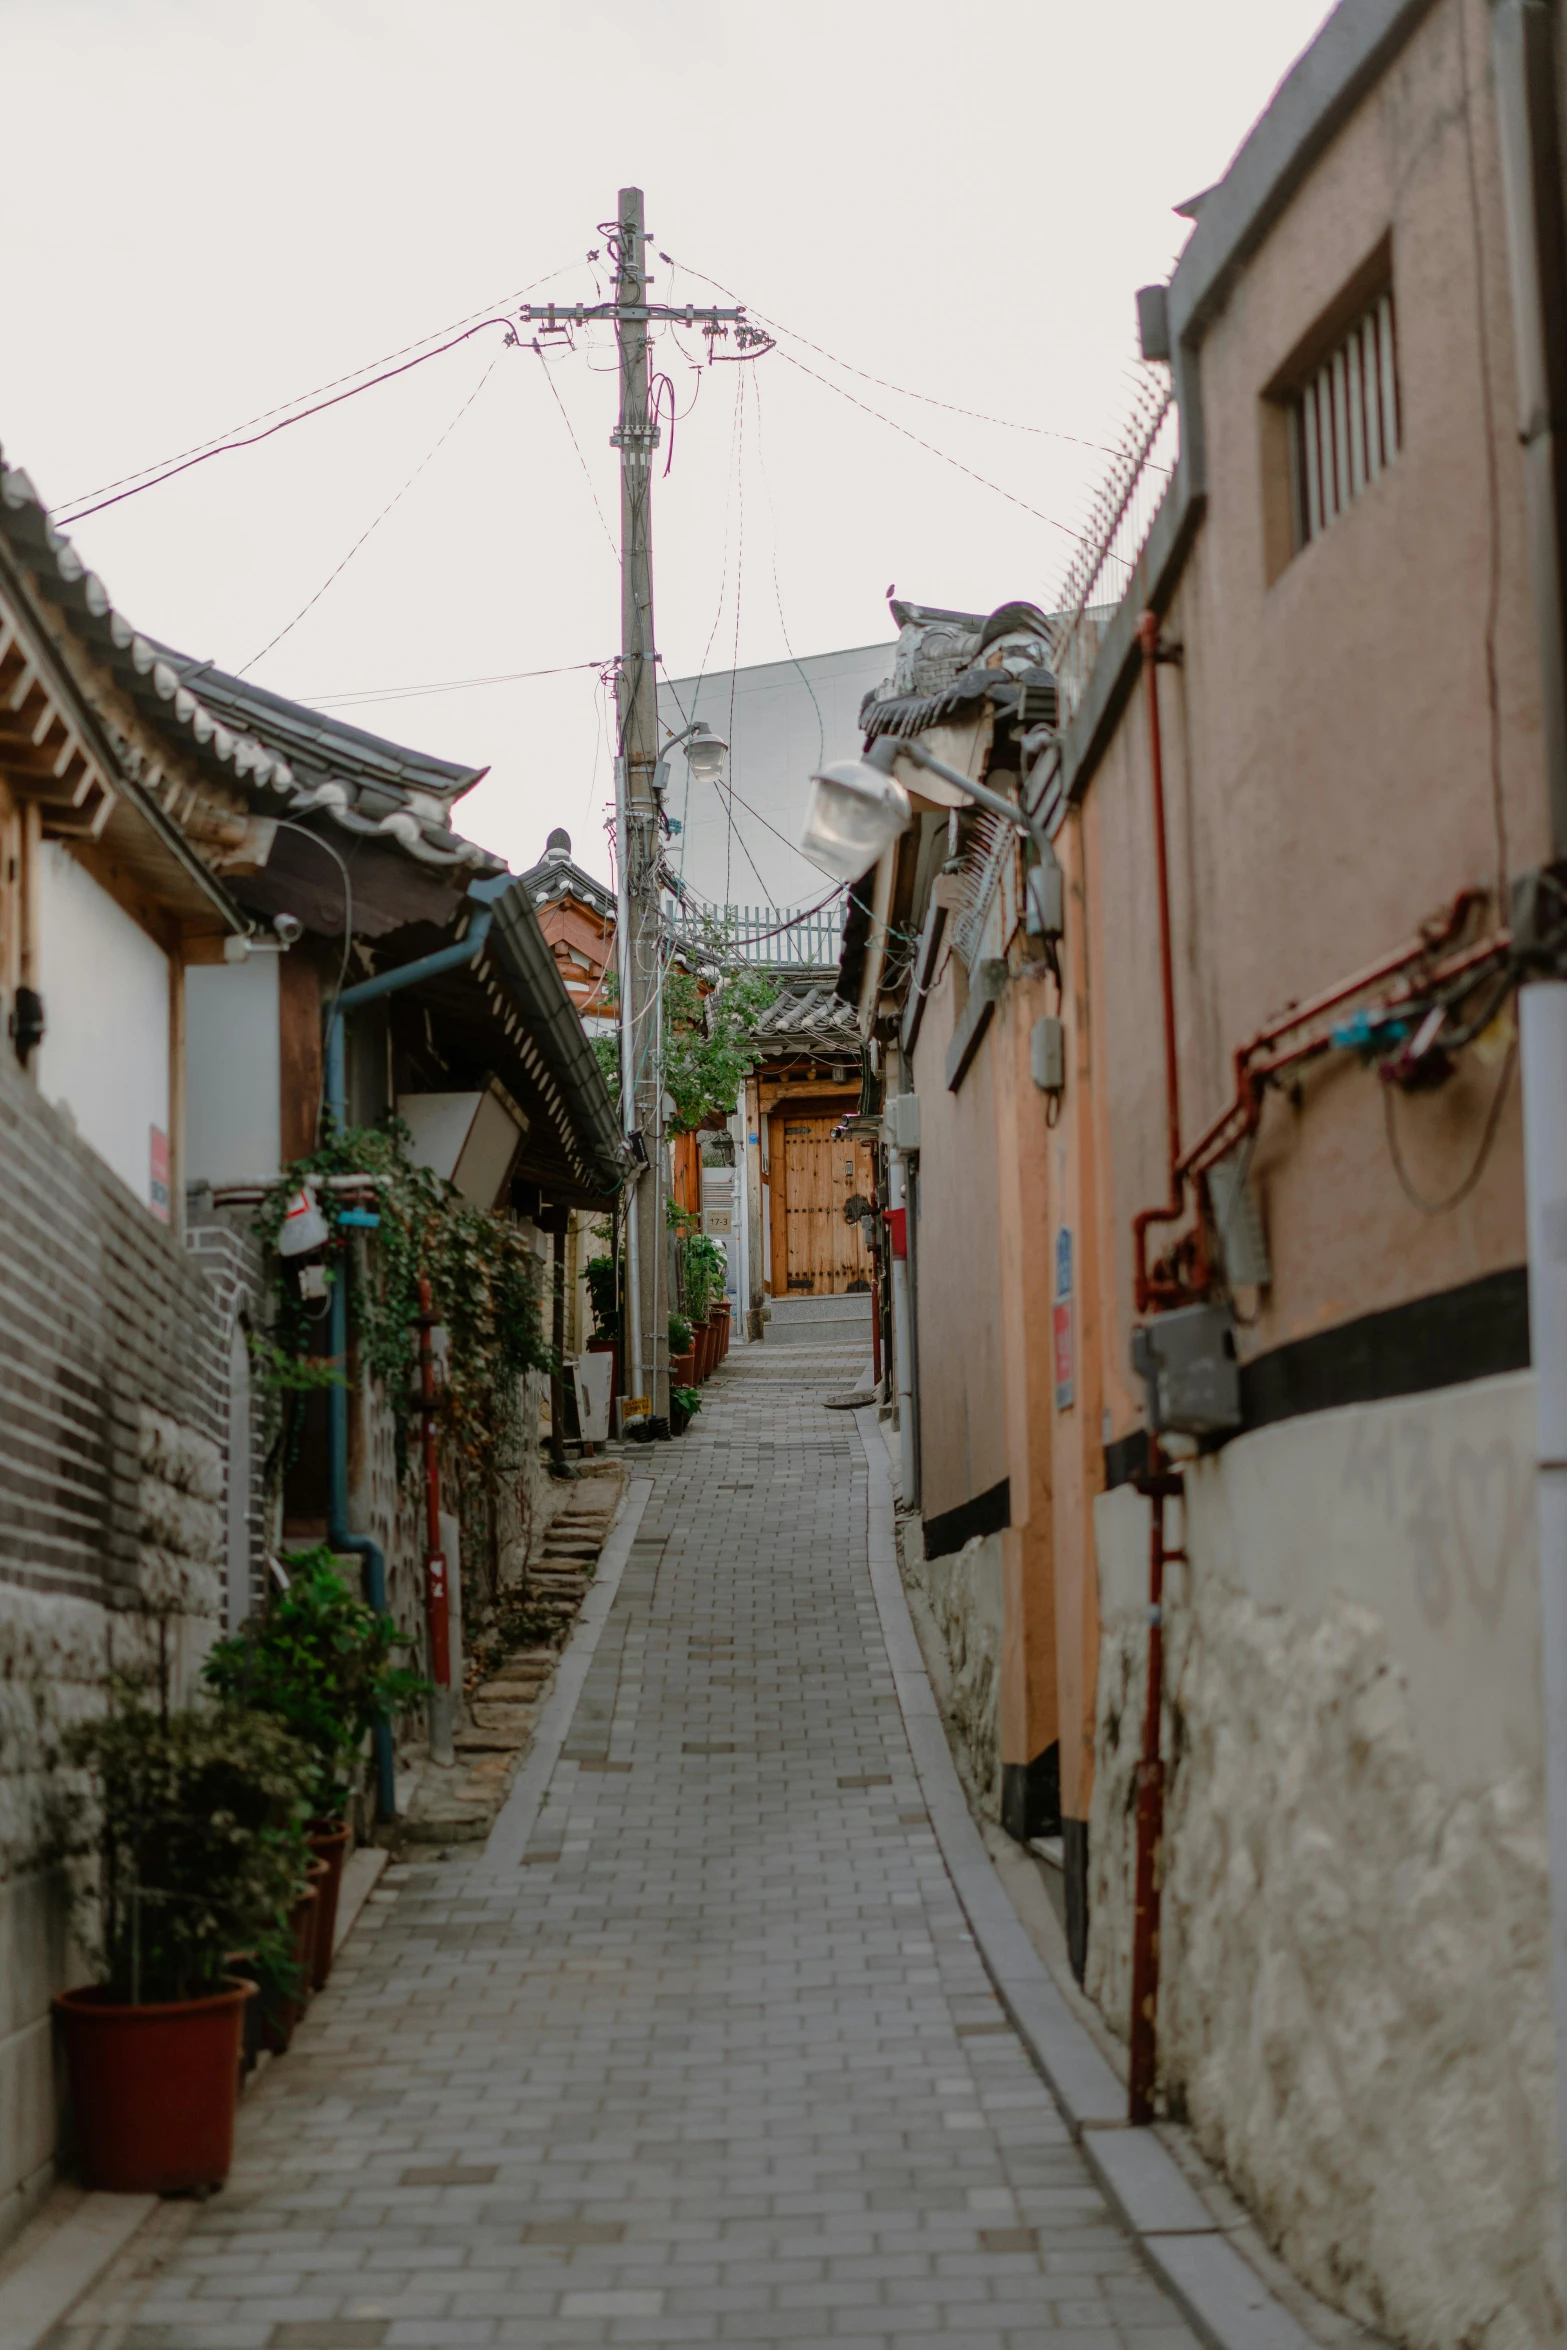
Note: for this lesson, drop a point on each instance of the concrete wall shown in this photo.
(105, 984)
(233, 1065)
(1353, 2007)
(1353, 1977)
(114, 1364)
(966, 1592)
(963, 1449)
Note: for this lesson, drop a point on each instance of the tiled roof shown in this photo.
(806, 1016)
(288, 758)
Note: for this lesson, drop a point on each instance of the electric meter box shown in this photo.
(903, 1122)
(1187, 1361)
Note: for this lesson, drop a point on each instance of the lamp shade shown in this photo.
(707, 755)
(855, 815)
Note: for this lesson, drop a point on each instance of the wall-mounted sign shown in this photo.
(1061, 1321)
(1061, 1339)
(158, 1186)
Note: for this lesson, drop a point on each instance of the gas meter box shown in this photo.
(1187, 1361)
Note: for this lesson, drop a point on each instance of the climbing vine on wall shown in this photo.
(484, 1285)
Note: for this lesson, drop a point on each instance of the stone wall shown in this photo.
(964, 1591)
(1354, 2003)
(114, 1366)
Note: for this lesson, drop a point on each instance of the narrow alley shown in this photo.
(699, 2048)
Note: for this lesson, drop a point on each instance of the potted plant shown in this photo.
(320, 1661)
(201, 1848)
(600, 1275)
(684, 1404)
(682, 1351)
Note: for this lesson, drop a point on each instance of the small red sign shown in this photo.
(897, 1223)
(158, 1188)
(1061, 1330)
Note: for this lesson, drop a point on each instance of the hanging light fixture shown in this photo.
(707, 755)
(857, 810)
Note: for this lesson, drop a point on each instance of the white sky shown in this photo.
(213, 206)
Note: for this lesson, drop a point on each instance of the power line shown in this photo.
(892, 423)
(215, 442)
(380, 518)
(443, 685)
(577, 445)
(929, 400)
(821, 731)
(226, 448)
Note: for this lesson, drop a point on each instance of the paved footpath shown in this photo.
(718, 2062)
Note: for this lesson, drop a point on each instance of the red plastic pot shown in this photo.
(154, 2089)
(705, 1335)
(329, 1841)
(682, 1368)
(279, 2024)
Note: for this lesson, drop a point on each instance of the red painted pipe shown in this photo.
(1160, 1485)
(437, 1597)
(1149, 1291)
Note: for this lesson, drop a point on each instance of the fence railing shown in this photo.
(781, 934)
(1117, 531)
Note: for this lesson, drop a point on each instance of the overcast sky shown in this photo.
(214, 208)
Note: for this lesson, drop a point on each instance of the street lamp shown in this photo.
(858, 808)
(707, 754)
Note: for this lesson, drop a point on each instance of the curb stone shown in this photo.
(1227, 2302)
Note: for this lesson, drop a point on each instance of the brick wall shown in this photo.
(114, 1372)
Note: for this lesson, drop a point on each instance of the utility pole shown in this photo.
(639, 828)
(640, 841)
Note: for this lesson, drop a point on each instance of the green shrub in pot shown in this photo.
(322, 1662)
(680, 1335)
(200, 1833)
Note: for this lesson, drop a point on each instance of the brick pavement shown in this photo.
(719, 2061)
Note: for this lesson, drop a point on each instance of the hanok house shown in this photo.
(189, 867)
(485, 1061)
(806, 1083)
(129, 1518)
(577, 916)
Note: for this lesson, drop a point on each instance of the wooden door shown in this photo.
(824, 1255)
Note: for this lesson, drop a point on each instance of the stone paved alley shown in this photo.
(717, 2061)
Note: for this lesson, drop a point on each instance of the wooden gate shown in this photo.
(812, 1177)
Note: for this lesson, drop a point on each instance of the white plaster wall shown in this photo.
(1354, 2002)
(966, 1597)
(233, 1073)
(105, 985)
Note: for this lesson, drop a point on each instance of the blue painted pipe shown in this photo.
(450, 958)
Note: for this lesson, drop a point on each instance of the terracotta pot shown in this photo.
(278, 2024)
(682, 1368)
(329, 1841)
(704, 1350)
(722, 1317)
(154, 2088)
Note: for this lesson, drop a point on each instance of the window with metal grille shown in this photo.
(1343, 420)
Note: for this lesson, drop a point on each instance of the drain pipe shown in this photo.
(361, 1546)
(1525, 70)
(1146, 1288)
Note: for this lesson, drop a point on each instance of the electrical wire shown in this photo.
(443, 685)
(956, 462)
(217, 440)
(577, 445)
(1493, 1116)
(821, 731)
(1045, 431)
(286, 824)
(734, 661)
(376, 524)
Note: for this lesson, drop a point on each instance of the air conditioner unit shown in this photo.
(902, 1126)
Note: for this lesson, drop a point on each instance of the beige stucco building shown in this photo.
(1354, 2002)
